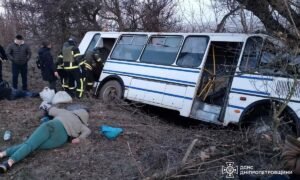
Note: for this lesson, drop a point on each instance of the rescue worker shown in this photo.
(100, 55)
(61, 72)
(70, 56)
(92, 65)
(87, 72)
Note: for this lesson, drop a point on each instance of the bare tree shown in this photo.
(159, 15)
(278, 16)
(147, 15)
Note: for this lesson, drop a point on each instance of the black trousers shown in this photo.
(16, 70)
(63, 77)
(88, 77)
(74, 75)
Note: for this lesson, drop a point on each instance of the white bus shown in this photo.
(214, 77)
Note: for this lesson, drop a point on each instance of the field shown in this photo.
(155, 144)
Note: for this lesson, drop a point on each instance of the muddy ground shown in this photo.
(153, 144)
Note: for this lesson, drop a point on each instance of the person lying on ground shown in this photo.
(51, 134)
(6, 92)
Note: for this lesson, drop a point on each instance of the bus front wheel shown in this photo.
(111, 91)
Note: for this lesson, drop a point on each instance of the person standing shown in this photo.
(3, 58)
(19, 53)
(70, 56)
(46, 64)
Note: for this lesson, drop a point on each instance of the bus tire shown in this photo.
(111, 91)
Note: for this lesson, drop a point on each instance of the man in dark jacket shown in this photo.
(2, 59)
(46, 64)
(19, 53)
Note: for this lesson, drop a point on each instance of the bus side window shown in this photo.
(251, 54)
(93, 43)
(192, 52)
(129, 47)
(162, 50)
(273, 57)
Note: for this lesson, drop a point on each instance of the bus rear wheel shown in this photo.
(111, 91)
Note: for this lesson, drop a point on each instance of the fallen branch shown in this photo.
(188, 152)
(190, 165)
(136, 163)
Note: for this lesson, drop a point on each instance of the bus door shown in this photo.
(189, 60)
(218, 72)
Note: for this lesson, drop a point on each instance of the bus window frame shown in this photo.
(259, 56)
(204, 54)
(164, 35)
(86, 50)
(118, 39)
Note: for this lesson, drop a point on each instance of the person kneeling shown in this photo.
(50, 135)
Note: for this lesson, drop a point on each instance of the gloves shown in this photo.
(291, 154)
(45, 106)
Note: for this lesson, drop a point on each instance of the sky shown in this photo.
(193, 9)
(185, 8)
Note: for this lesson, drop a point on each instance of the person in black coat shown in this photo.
(47, 66)
(3, 58)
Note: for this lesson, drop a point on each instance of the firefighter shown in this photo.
(61, 72)
(93, 65)
(70, 56)
(87, 71)
(100, 55)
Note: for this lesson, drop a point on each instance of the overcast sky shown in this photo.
(186, 8)
(196, 8)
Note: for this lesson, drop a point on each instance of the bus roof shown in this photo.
(231, 37)
(105, 34)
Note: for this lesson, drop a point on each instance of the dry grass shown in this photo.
(152, 146)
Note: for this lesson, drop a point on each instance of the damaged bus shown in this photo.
(219, 78)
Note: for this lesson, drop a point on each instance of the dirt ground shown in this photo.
(153, 144)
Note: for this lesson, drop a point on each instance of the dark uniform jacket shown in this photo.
(18, 54)
(46, 64)
(2, 54)
(70, 56)
(97, 58)
(2, 58)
